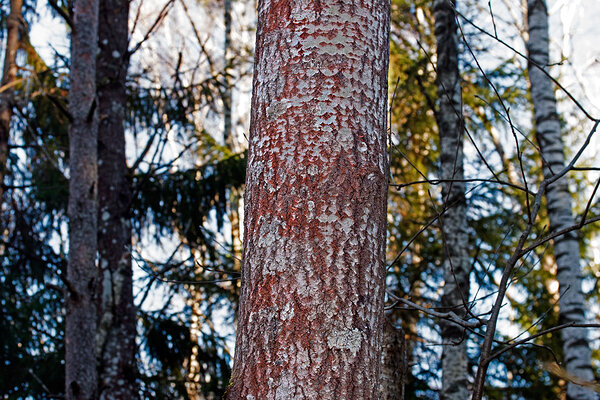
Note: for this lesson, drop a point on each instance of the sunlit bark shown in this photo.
(315, 217)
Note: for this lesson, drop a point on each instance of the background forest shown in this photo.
(173, 97)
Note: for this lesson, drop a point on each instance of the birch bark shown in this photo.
(453, 221)
(116, 333)
(81, 310)
(9, 75)
(566, 248)
(310, 320)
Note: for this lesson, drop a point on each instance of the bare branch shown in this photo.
(541, 333)
(450, 316)
(161, 16)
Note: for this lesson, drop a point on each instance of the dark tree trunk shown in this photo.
(227, 106)
(310, 320)
(393, 362)
(81, 309)
(116, 311)
(453, 222)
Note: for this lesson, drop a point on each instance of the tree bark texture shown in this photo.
(81, 310)
(227, 87)
(453, 221)
(115, 342)
(311, 307)
(9, 75)
(566, 248)
(394, 366)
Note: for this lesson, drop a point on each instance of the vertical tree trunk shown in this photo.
(566, 248)
(9, 75)
(81, 310)
(453, 222)
(311, 307)
(227, 111)
(116, 312)
(229, 137)
(393, 362)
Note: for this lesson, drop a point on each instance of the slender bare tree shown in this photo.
(566, 247)
(310, 320)
(82, 276)
(116, 346)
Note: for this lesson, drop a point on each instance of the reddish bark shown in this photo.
(311, 307)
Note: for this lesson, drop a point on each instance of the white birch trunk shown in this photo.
(566, 248)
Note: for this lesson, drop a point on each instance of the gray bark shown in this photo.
(81, 310)
(453, 221)
(394, 366)
(9, 75)
(116, 334)
(566, 248)
(310, 319)
(227, 111)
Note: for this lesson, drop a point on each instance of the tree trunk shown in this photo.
(453, 221)
(566, 248)
(230, 139)
(393, 362)
(81, 310)
(9, 75)
(227, 110)
(116, 312)
(311, 307)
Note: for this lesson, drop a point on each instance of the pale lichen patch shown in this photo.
(269, 233)
(276, 109)
(346, 340)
